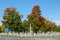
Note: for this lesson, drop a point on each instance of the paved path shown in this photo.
(9, 38)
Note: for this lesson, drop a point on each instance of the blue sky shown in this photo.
(50, 9)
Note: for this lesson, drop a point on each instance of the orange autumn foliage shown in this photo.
(39, 21)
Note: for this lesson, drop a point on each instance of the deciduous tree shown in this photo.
(12, 19)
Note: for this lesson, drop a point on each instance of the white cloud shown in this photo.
(57, 21)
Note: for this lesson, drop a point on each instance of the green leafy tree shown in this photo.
(57, 29)
(12, 20)
(26, 27)
(0, 29)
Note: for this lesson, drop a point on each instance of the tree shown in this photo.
(35, 19)
(57, 29)
(49, 26)
(0, 29)
(12, 20)
(38, 22)
(26, 27)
